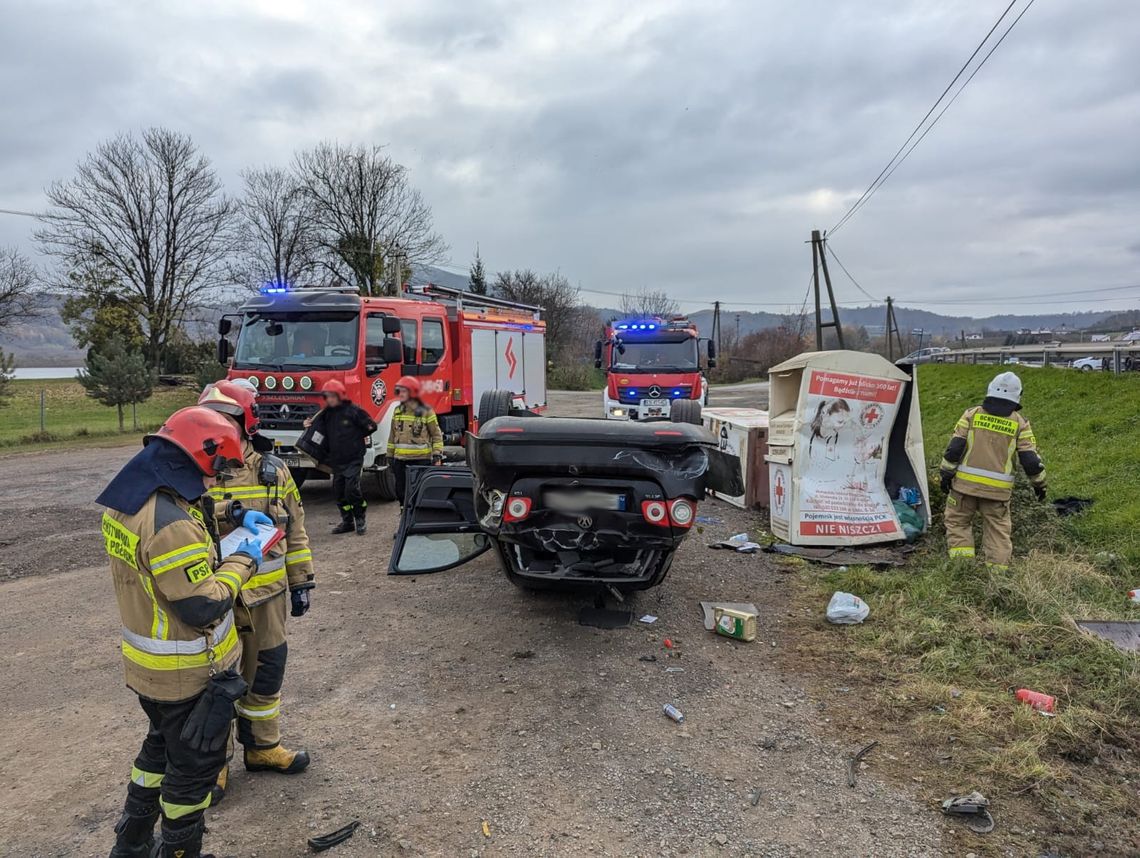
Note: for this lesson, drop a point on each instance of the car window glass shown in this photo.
(433, 341)
(408, 335)
(425, 552)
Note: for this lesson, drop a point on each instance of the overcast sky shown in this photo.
(686, 146)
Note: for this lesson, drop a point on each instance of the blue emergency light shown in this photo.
(636, 326)
(273, 289)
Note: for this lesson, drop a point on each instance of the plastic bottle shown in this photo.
(1040, 702)
(1134, 595)
(673, 712)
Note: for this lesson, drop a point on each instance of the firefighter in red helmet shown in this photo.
(415, 437)
(179, 640)
(342, 431)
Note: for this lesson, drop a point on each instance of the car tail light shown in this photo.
(682, 512)
(655, 512)
(516, 509)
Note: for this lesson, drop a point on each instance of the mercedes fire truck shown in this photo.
(652, 363)
(289, 342)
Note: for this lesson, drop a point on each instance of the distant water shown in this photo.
(38, 372)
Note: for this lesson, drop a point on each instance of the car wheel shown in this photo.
(1086, 368)
(494, 403)
(686, 411)
(386, 485)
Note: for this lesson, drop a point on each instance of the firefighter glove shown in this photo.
(947, 481)
(437, 459)
(300, 600)
(1040, 492)
(207, 729)
(252, 519)
(252, 550)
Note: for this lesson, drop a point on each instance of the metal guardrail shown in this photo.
(1121, 357)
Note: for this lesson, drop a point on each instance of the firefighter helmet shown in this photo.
(410, 384)
(212, 441)
(236, 400)
(1006, 385)
(334, 386)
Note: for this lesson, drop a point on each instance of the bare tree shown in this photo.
(648, 302)
(19, 281)
(276, 237)
(552, 292)
(366, 211)
(151, 211)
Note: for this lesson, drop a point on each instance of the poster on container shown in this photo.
(845, 428)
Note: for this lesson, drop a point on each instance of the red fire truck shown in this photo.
(653, 368)
(289, 342)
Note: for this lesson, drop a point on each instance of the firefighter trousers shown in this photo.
(400, 472)
(168, 775)
(346, 488)
(997, 528)
(264, 651)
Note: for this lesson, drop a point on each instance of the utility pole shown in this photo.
(818, 259)
(737, 327)
(893, 328)
(716, 338)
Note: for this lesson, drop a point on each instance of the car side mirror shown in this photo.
(390, 325)
(712, 363)
(598, 354)
(224, 326)
(223, 351)
(393, 351)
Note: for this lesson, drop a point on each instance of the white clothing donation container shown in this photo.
(845, 442)
(742, 432)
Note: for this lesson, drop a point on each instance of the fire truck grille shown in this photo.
(285, 415)
(632, 395)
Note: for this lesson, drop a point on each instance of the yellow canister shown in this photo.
(740, 625)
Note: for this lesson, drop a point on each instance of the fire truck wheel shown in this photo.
(686, 411)
(386, 484)
(494, 403)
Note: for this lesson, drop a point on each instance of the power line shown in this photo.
(21, 214)
(884, 173)
(848, 273)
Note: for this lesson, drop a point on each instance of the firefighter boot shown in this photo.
(276, 759)
(184, 842)
(134, 833)
(361, 527)
(347, 525)
(218, 790)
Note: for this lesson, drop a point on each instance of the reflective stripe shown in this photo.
(177, 811)
(179, 655)
(231, 492)
(993, 423)
(270, 571)
(961, 552)
(230, 579)
(149, 780)
(997, 567)
(298, 556)
(985, 478)
(259, 713)
(182, 557)
(158, 627)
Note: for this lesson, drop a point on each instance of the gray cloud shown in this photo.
(688, 146)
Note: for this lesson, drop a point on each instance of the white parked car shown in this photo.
(936, 354)
(1088, 364)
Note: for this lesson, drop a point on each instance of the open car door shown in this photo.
(438, 529)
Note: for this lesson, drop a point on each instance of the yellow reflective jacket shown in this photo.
(290, 561)
(175, 598)
(415, 432)
(982, 450)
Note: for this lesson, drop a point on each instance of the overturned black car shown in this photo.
(566, 502)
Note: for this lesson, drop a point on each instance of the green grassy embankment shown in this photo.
(71, 417)
(946, 641)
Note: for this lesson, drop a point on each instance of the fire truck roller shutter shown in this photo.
(534, 368)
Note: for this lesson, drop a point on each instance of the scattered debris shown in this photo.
(709, 519)
(1134, 595)
(846, 609)
(673, 712)
(721, 839)
(648, 619)
(740, 625)
(674, 670)
(955, 693)
(870, 556)
(523, 653)
(486, 828)
(647, 658)
(668, 643)
(604, 618)
(857, 757)
(1072, 505)
(1039, 701)
(328, 841)
(1122, 634)
(975, 808)
(754, 797)
(708, 610)
(738, 543)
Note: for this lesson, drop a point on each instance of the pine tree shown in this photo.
(478, 276)
(117, 377)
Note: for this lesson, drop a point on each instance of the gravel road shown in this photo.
(434, 704)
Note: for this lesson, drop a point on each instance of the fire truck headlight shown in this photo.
(306, 383)
(270, 382)
(287, 382)
(254, 380)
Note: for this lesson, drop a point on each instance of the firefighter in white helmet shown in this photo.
(977, 471)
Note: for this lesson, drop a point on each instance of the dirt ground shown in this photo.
(434, 704)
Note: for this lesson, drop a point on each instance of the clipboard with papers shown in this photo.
(267, 535)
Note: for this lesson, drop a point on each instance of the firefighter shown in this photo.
(977, 471)
(262, 483)
(342, 430)
(415, 438)
(179, 640)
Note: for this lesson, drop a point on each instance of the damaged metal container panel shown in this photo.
(742, 432)
(845, 436)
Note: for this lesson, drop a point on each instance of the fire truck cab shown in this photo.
(289, 342)
(650, 364)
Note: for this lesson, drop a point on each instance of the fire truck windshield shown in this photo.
(656, 357)
(282, 341)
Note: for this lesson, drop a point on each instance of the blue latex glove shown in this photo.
(250, 549)
(253, 518)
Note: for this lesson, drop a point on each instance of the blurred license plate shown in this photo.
(655, 403)
(291, 461)
(582, 501)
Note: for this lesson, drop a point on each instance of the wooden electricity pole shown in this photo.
(893, 328)
(716, 338)
(818, 260)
